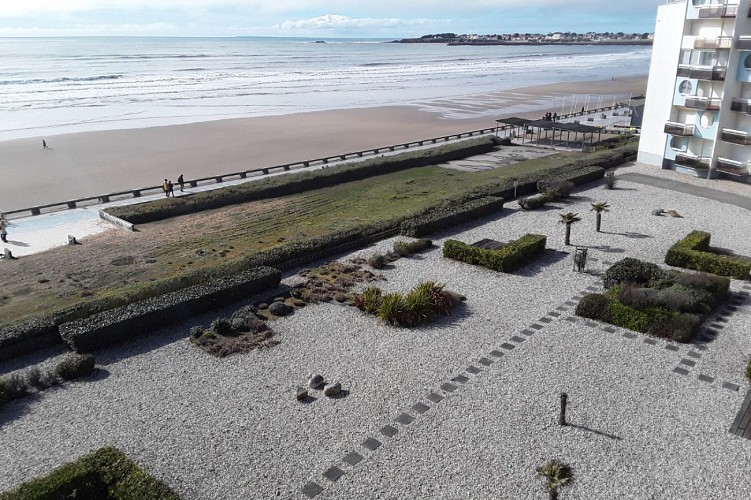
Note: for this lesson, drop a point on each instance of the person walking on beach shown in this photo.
(170, 189)
(165, 187)
(44, 144)
(3, 231)
(181, 182)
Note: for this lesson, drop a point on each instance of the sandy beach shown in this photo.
(92, 163)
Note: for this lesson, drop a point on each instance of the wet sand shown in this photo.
(93, 163)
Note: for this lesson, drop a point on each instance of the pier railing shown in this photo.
(220, 178)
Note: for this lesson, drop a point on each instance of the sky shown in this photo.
(320, 18)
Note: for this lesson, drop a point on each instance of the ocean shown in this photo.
(58, 85)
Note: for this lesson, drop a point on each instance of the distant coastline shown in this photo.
(525, 42)
(521, 39)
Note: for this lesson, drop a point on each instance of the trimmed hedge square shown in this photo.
(506, 259)
(693, 252)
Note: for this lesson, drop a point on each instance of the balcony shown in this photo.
(714, 73)
(695, 162)
(736, 136)
(679, 129)
(743, 43)
(733, 168)
(717, 11)
(721, 42)
(703, 103)
(741, 105)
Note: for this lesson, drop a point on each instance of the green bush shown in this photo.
(371, 300)
(717, 286)
(75, 365)
(393, 309)
(536, 201)
(748, 370)
(693, 252)
(104, 474)
(446, 215)
(419, 306)
(407, 248)
(633, 319)
(686, 299)
(630, 270)
(506, 259)
(634, 296)
(679, 327)
(377, 261)
(594, 306)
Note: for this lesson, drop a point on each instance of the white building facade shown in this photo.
(697, 116)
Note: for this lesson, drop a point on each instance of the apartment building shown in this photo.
(697, 115)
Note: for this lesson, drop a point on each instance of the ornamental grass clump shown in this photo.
(557, 474)
(421, 305)
(75, 365)
(393, 310)
(377, 261)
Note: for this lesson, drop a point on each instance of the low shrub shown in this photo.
(104, 474)
(536, 201)
(633, 319)
(686, 299)
(748, 370)
(556, 188)
(693, 252)
(407, 248)
(422, 304)
(679, 327)
(370, 300)
(75, 365)
(393, 309)
(610, 180)
(717, 286)
(15, 387)
(506, 259)
(377, 261)
(637, 297)
(594, 306)
(419, 306)
(630, 270)
(450, 214)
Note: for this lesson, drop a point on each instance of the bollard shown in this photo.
(71, 204)
(243, 175)
(219, 178)
(265, 170)
(286, 167)
(193, 184)
(562, 417)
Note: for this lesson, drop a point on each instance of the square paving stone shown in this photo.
(609, 329)
(592, 288)
(435, 398)
(311, 489)
(561, 308)
(371, 443)
(554, 314)
(537, 327)
(680, 370)
(650, 341)
(701, 347)
(389, 431)
(545, 320)
(333, 473)
(528, 333)
(517, 339)
(448, 387)
(507, 346)
(405, 419)
(671, 347)
(461, 379)
(353, 458)
(485, 361)
(473, 370)
(731, 386)
(572, 319)
(629, 335)
(590, 324)
(705, 378)
(497, 354)
(570, 303)
(420, 407)
(694, 354)
(688, 362)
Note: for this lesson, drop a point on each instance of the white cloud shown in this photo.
(335, 21)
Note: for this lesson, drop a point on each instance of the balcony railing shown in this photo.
(744, 42)
(680, 129)
(717, 11)
(690, 161)
(703, 103)
(715, 73)
(741, 105)
(721, 42)
(736, 136)
(733, 167)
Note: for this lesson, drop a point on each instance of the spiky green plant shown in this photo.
(599, 208)
(393, 309)
(557, 474)
(568, 219)
(419, 305)
(370, 300)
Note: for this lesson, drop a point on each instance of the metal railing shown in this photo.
(720, 42)
(715, 73)
(744, 42)
(679, 129)
(741, 105)
(703, 103)
(736, 136)
(717, 11)
(690, 161)
(733, 167)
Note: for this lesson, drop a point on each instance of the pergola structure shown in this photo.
(523, 126)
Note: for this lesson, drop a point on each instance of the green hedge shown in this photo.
(506, 259)
(104, 474)
(693, 252)
(448, 216)
(298, 182)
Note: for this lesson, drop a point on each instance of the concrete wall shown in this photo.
(661, 85)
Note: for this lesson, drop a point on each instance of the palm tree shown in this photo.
(557, 474)
(599, 208)
(569, 219)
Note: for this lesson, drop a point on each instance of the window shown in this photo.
(686, 87)
(706, 120)
(679, 143)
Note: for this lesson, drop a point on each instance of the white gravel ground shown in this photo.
(231, 428)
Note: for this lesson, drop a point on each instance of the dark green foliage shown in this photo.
(506, 259)
(686, 299)
(29, 336)
(393, 309)
(748, 370)
(75, 365)
(679, 327)
(450, 214)
(634, 296)
(221, 326)
(377, 261)
(419, 306)
(633, 319)
(556, 188)
(630, 270)
(106, 474)
(407, 248)
(14, 387)
(370, 300)
(594, 306)
(717, 286)
(693, 252)
(422, 304)
(536, 201)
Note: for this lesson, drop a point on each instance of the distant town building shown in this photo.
(697, 116)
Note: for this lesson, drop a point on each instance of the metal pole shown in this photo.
(562, 416)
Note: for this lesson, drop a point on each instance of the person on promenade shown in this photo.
(44, 144)
(165, 187)
(181, 181)
(3, 231)
(170, 189)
